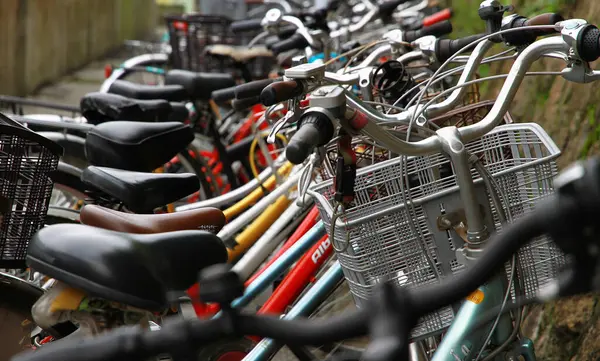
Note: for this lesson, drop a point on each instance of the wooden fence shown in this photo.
(41, 40)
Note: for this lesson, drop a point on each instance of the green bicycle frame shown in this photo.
(461, 343)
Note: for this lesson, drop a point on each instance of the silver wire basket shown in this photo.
(382, 239)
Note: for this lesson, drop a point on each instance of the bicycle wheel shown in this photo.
(17, 298)
(196, 164)
(69, 190)
(57, 215)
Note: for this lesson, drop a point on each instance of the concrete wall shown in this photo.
(41, 40)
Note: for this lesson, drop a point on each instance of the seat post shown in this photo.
(213, 132)
(246, 74)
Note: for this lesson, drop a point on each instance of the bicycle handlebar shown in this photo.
(253, 88)
(223, 95)
(544, 19)
(445, 48)
(280, 91)
(246, 25)
(440, 16)
(437, 29)
(245, 103)
(387, 8)
(314, 130)
(585, 39)
(471, 132)
(529, 36)
(588, 44)
(296, 41)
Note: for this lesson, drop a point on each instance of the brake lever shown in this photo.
(291, 116)
(580, 72)
(316, 159)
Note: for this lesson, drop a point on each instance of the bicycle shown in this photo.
(309, 152)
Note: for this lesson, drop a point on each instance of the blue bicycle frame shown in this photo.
(303, 308)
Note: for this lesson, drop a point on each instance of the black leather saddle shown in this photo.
(102, 107)
(136, 146)
(140, 192)
(172, 93)
(133, 269)
(179, 112)
(199, 86)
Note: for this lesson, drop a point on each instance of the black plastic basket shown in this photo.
(26, 161)
(190, 34)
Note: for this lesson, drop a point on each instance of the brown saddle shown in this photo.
(206, 219)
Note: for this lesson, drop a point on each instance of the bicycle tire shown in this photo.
(195, 165)
(59, 215)
(67, 180)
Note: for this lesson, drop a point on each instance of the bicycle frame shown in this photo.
(311, 251)
(309, 221)
(306, 305)
(459, 343)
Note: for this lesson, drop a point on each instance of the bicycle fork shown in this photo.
(461, 342)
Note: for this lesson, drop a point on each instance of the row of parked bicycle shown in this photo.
(220, 201)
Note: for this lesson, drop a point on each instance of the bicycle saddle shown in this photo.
(179, 112)
(137, 270)
(101, 107)
(199, 85)
(172, 93)
(136, 146)
(140, 192)
(206, 219)
(239, 54)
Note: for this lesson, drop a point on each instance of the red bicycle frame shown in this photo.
(300, 276)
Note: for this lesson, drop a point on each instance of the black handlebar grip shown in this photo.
(295, 41)
(437, 29)
(243, 104)
(246, 25)
(387, 8)
(282, 34)
(333, 5)
(314, 130)
(280, 91)
(223, 95)
(528, 36)
(272, 40)
(588, 43)
(252, 89)
(445, 48)
(286, 32)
